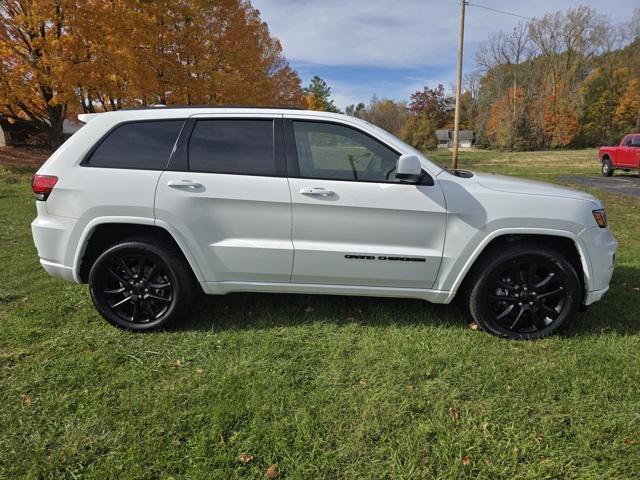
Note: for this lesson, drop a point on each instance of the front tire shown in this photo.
(524, 291)
(607, 168)
(141, 285)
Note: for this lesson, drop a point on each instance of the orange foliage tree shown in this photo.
(92, 55)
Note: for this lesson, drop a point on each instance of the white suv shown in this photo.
(153, 206)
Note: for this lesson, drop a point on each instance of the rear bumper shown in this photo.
(52, 238)
(58, 270)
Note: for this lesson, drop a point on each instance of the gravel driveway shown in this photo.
(626, 184)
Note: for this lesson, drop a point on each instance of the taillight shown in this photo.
(42, 185)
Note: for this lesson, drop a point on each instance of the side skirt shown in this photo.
(222, 288)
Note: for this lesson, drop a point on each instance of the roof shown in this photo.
(448, 134)
(442, 134)
(191, 111)
(465, 135)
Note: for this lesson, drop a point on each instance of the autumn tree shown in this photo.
(385, 113)
(34, 66)
(91, 55)
(317, 96)
(428, 110)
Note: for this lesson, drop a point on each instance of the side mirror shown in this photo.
(409, 168)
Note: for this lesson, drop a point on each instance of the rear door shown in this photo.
(227, 195)
(353, 222)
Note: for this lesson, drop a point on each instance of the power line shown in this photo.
(498, 11)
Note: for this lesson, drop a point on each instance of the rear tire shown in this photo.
(607, 168)
(523, 291)
(142, 284)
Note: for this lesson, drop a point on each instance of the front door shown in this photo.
(354, 223)
(626, 153)
(227, 195)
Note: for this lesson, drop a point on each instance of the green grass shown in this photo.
(323, 387)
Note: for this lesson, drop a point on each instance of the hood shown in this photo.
(503, 183)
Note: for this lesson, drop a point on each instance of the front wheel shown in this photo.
(141, 285)
(607, 168)
(524, 291)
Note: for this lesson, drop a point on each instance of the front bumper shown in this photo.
(600, 249)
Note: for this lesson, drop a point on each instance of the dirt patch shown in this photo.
(22, 158)
(625, 184)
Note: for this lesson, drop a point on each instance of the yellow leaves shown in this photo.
(25, 400)
(245, 458)
(272, 471)
(115, 54)
(454, 413)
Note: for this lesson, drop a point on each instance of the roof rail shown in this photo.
(278, 107)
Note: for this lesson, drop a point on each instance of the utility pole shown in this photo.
(456, 121)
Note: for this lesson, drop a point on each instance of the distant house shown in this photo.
(445, 138)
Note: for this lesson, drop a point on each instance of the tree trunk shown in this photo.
(57, 114)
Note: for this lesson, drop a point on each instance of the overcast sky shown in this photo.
(395, 47)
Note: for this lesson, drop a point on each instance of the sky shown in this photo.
(392, 48)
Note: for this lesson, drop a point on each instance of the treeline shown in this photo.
(64, 56)
(568, 79)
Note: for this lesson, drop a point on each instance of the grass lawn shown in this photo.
(321, 387)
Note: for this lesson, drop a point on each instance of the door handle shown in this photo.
(184, 184)
(323, 192)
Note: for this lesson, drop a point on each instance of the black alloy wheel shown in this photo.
(139, 285)
(525, 294)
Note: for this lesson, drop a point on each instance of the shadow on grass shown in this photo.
(269, 310)
(617, 312)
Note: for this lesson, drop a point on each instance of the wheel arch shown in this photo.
(565, 243)
(102, 233)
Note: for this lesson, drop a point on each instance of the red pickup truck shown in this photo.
(626, 156)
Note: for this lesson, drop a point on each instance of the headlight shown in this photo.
(600, 217)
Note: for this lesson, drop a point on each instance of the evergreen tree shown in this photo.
(318, 96)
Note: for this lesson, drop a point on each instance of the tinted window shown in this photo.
(232, 146)
(636, 141)
(332, 151)
(143, 145)
(627, 141)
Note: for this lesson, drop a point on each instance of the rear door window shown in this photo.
(233, 146)
(138, 145)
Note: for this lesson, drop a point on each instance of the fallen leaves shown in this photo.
(272, 471)
(485, 426)
(179, 363)
(245, 458)
(466, 460)
(474, 326)
(454, 412)
(25, 400)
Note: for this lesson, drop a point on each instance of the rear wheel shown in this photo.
(607, 168)
(524, 291)
(141, 285)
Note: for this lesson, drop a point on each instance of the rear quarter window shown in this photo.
(137, 145)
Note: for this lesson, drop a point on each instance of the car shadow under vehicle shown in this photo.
(265, 310)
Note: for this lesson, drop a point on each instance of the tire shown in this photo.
(523, 291)
(141, 284)
(607, 168)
